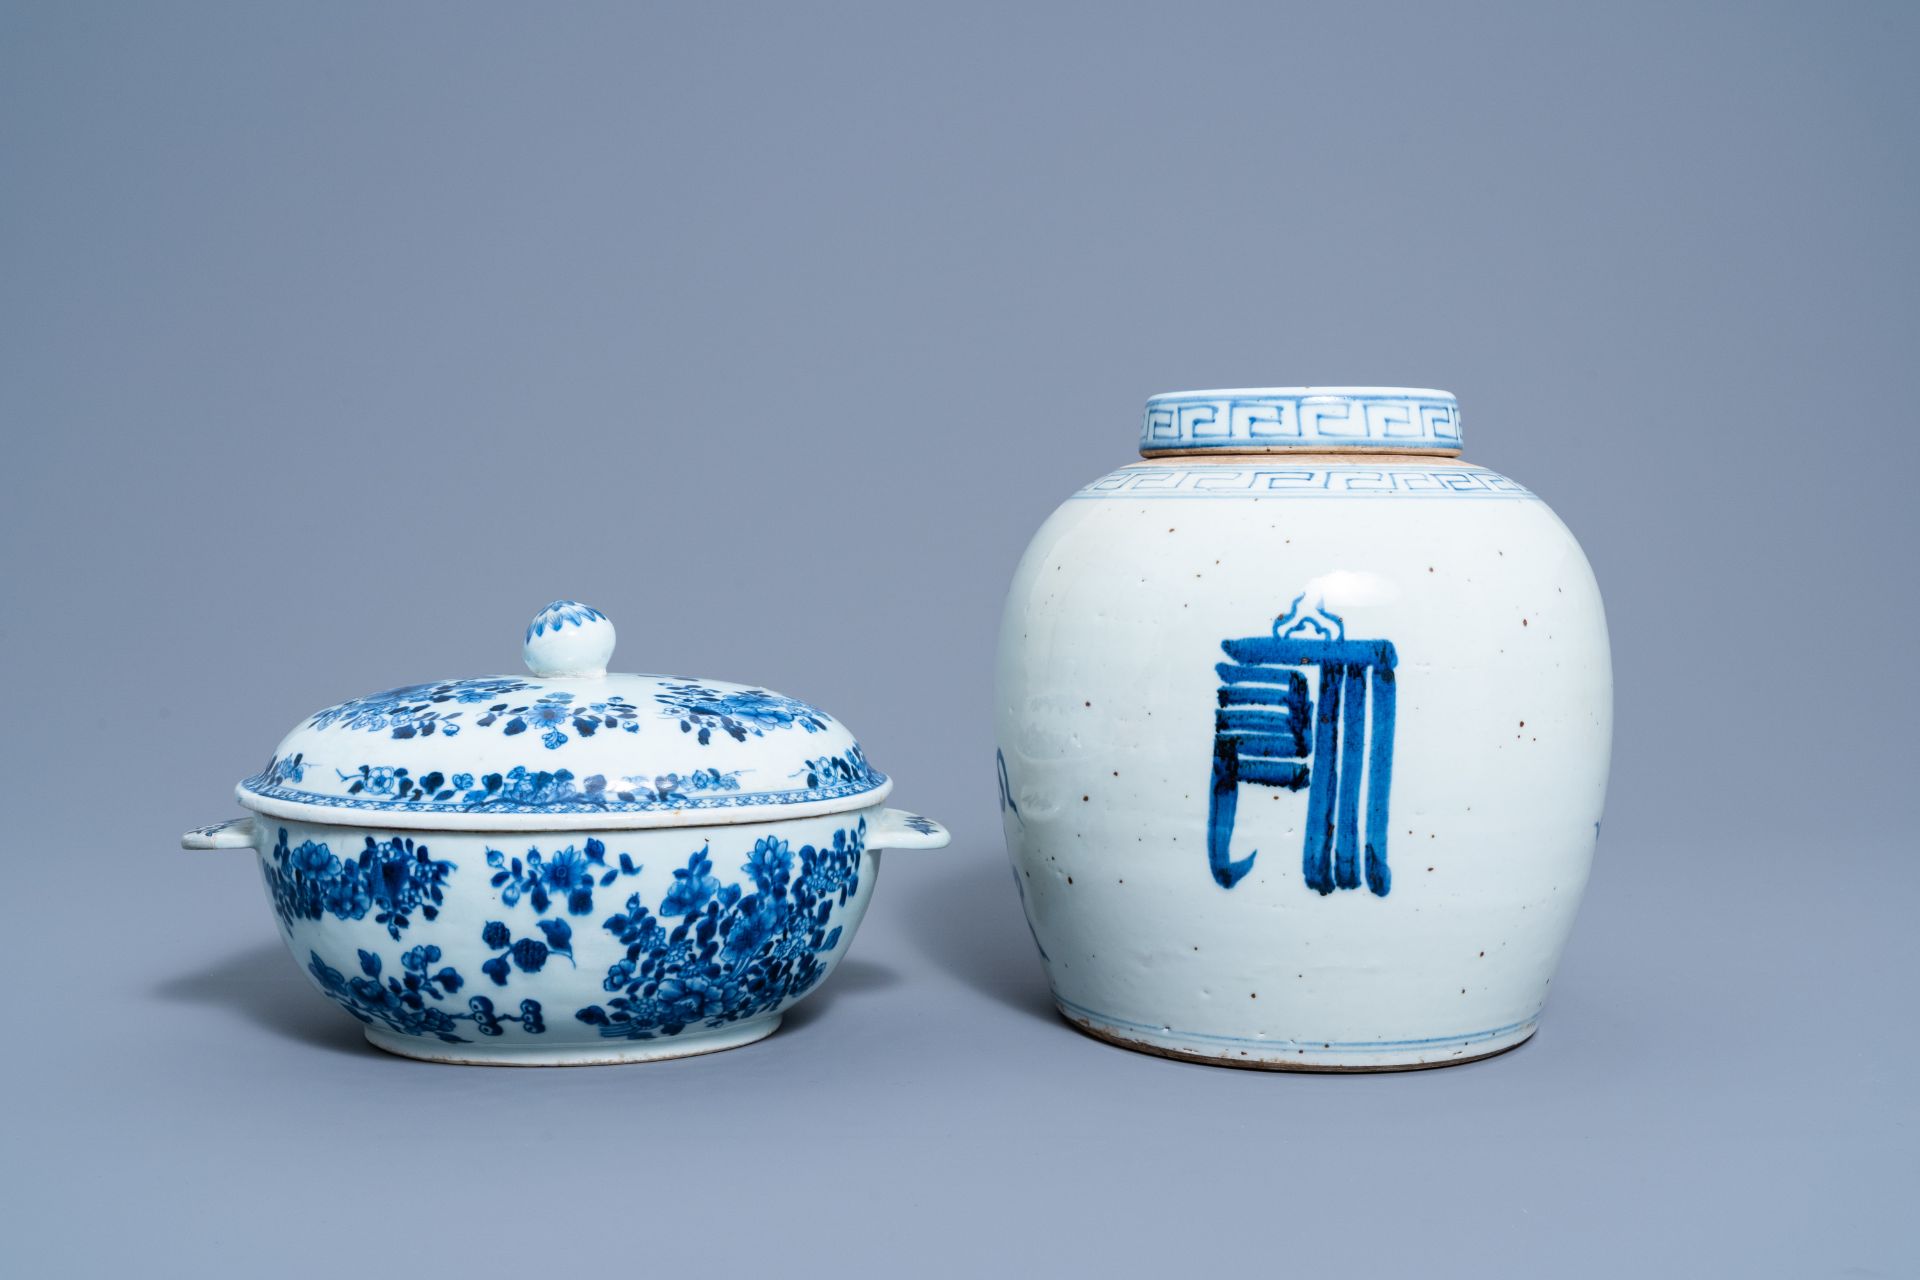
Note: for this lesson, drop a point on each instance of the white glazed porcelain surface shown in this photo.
(565, 746)
(1490, 767)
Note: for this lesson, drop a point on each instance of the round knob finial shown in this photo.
(568, 638)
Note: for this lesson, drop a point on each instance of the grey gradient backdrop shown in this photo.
(334, 340)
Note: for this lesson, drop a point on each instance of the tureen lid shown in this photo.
(565, 746)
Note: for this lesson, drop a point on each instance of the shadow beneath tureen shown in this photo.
(965, 913)
(262, 986)
(849, 978)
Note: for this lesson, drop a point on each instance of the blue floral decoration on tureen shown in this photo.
(705, 952)
(449, 747)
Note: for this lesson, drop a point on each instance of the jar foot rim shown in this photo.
(1293, 1056)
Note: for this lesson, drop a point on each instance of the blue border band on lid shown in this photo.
(1261, 419)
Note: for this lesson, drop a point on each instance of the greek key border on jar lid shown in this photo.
(1260, 419)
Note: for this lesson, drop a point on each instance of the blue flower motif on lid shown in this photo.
(522, 789)
(551, 714)
(416, 710)
(738, 713)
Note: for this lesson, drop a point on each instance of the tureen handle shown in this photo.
(234, 833)
(898, 829)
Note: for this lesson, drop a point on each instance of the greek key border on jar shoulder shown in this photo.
(1305, 482)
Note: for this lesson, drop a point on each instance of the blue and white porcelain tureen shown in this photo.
(568, 866)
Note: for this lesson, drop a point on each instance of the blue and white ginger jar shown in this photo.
(1303, 732)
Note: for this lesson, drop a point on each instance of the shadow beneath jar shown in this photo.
(852, 977)
(964, 913)
(262, 986)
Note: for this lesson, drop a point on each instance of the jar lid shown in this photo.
(1314, 419)
(565, 746)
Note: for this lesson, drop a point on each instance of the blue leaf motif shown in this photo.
(407, 1008)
